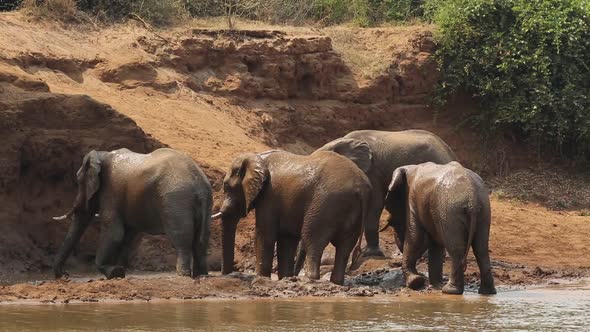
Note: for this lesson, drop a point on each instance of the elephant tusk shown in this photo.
(216, 216)
(65, 216)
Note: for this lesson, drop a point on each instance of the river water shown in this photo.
(553, 309)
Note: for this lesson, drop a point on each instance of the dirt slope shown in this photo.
(64, 91)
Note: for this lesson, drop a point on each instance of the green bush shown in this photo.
(526, 61)
(366, 12)
(202, 8)
(7, 5)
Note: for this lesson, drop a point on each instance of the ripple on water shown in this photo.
(541, 309)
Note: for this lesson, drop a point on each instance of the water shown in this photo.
(540, 309)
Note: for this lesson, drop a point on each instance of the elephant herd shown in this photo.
(302, 203)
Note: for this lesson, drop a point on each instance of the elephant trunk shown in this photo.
(400, 235)
(398, 213)
(77, 228)
(228, 237)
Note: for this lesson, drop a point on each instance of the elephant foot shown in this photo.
(452, 289)
(115, 272)
(487, 290)
(372, 251)
(486, 286)
(415, 281)
(184, 273)
(437, 285)
(60, 273)
(307, 280)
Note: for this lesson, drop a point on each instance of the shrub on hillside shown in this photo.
(64, 10)
(526, 61)
(159, 12)
(7, 5)
(366, 12)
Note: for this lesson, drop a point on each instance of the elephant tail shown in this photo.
(357, 251)
(202, 223)
(471, 212)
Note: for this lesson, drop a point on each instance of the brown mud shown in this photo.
(213, 95)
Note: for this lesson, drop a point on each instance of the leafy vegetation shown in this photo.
(526, 61)
(7, 5)
(163, 12)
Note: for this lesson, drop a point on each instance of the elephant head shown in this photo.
(242, 185)
(396, 202)
(84, 209)
(356, 150)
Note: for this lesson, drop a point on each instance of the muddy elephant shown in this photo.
(163, 192)
(318, 199)
(390, 150)
(444, 207)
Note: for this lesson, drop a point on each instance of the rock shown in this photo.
(392, 280)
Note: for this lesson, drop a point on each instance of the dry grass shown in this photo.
(552, 187)
(62, 10)
(370, 51)
(365, 62)
(245, 24)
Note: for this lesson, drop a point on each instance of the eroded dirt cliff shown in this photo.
(44, 137)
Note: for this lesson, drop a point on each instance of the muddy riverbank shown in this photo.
(140, 286)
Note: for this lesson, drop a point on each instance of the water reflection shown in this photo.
(517, 310)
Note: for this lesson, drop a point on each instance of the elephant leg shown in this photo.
(436, 256)
(265, 247)
(413, 249)
(200, 249)
(200, 267)
(180, 230)
(343, 249)
(482, 255)
(456, 245)
(300, 258)
(110, 243)
(372, 225)
(314, 250)
(286, 247)
(456, 282)
(129, 241)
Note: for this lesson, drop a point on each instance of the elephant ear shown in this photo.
(253, 173)
(356, 150)
(399, 181)
(88, 175)
(396, 202)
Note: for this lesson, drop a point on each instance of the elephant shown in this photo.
(446, 207)
(390, 150)
(163, 192)
(319, 199)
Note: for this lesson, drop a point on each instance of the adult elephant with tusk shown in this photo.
(163, 192)
(318, 199)
(390, 150)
